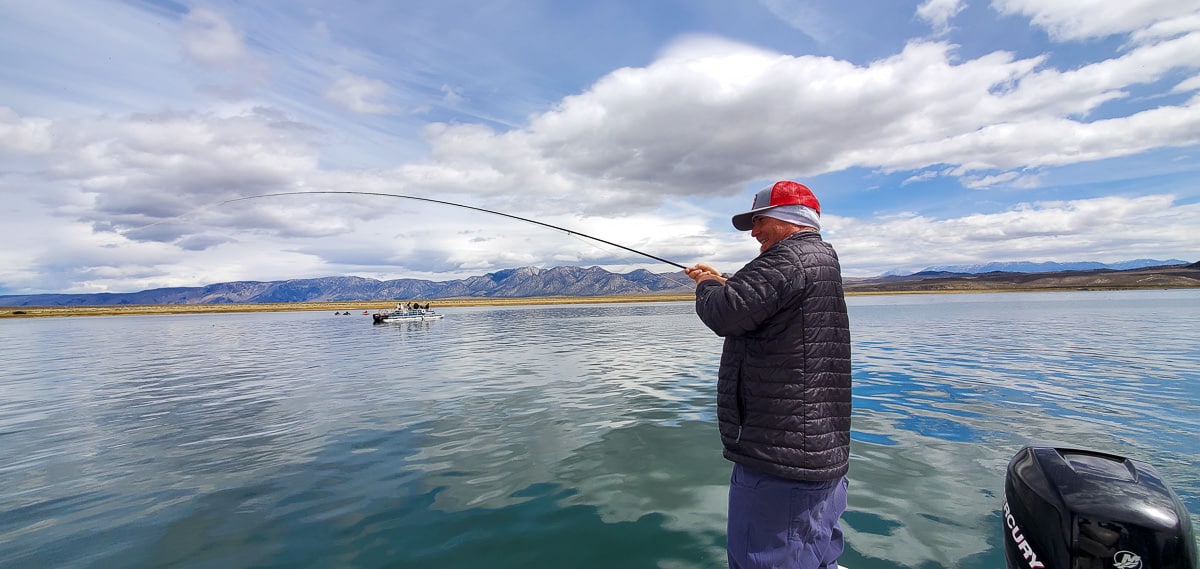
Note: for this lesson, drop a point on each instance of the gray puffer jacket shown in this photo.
(783, 387)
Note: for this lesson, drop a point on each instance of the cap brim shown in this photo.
(745, 221)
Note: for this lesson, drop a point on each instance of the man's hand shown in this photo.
(701, 272)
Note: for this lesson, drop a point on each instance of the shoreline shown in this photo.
(358, 307)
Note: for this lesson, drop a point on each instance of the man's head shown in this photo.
(779, 211)
(786, 201)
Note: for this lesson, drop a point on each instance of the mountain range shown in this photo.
(1043, 267)
(509, 283)
(1157, 277)
(528, 282)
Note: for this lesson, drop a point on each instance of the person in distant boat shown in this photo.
(783, 385)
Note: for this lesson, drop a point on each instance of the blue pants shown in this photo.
(778, 523)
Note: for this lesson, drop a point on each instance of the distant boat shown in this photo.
(405, 314)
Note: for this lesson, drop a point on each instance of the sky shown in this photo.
(933, 132)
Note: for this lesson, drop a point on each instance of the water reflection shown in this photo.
(545, 436)
(946, 392)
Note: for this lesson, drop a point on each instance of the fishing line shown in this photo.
(602, 249)
(509, 215)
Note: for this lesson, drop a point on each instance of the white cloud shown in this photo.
(710, 116)
(1168, 28)
(1086, 19)
(920, 177)
(210, 40)
(24, 135)
(1190, 84)
(1106, 229)
(359, 94)
(451, 96)
(939, 13)
(149, 168)
(135, 195)
(988, 181)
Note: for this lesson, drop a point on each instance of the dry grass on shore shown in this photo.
(354, 307)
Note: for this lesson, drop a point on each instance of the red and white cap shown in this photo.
(779, 196)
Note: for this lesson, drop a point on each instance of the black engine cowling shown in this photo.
(1078, 509)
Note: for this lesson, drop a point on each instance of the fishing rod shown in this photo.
(527, 220)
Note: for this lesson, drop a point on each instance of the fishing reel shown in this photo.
(1078, 509)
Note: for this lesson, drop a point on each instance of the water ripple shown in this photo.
(529, 436)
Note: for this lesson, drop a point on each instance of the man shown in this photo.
(783, 387)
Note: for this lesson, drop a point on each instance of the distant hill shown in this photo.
(509, 283)
(1043, 267)
(1172, 276)
(529, 282)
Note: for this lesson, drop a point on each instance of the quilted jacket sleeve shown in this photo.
(752, 295)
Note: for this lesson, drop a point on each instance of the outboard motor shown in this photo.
(1078, 509)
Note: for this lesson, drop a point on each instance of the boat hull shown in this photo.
(416, 317)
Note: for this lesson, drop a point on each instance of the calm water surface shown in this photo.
(565, 436)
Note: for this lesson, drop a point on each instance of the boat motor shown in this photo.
(1079, 509)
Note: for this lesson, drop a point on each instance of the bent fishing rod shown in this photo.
(431, 200)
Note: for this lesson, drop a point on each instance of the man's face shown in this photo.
(769, 231)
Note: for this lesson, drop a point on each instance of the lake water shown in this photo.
(549, 436)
